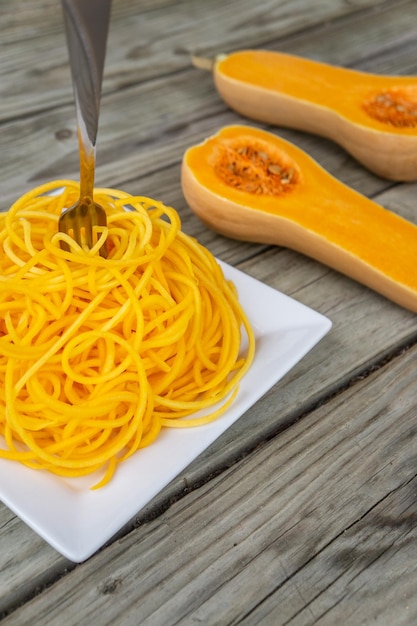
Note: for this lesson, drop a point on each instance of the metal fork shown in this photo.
(86, 24)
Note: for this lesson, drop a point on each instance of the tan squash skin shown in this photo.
(290, 91)
(318, 216)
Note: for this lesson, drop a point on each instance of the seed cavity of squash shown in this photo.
(395, 108)
(253, 170)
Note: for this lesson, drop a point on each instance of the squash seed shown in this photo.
(273, 168)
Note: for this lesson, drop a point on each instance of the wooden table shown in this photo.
(305, 511)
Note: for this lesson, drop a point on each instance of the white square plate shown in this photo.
(77, 521)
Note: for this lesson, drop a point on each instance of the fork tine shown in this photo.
(79, 222)
(99, 218)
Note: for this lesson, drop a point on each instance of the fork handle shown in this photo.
(87, 25)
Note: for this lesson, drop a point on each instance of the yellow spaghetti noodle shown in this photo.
(96, 355)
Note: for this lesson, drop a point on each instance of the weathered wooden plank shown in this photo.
(329, 501)
(21, 19)
(24, 20)
(351, 41)
(362, 577)
(23, 551)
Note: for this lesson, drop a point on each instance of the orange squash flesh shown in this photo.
(251, 185)
(372, 117)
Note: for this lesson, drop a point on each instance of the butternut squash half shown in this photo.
(372, 117)
(251, 185)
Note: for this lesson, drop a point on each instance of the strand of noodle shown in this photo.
(232, 383)
(47, 454)
(61, 341)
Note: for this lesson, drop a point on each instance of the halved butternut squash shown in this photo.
(372, 117)
(249, 184)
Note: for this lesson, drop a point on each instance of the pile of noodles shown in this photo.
(96, 354)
